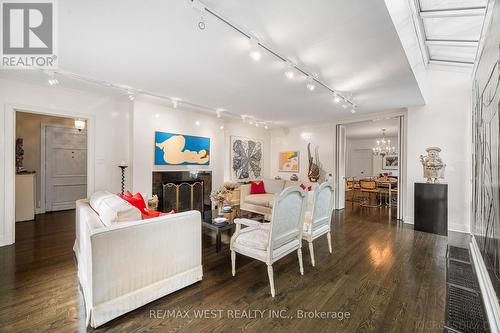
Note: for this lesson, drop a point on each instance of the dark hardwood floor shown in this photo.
(386, 276)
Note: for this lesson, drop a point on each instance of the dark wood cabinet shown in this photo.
(431, 208)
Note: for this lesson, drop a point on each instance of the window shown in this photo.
(452, 29)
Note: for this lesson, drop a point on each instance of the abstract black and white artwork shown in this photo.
(486, 196)
(246, 158)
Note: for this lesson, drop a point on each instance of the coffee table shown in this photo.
(208, 222)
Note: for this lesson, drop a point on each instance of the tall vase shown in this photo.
(219, 208)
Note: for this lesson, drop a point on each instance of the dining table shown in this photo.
(388, 183)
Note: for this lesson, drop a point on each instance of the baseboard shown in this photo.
(456, 227)
(487, 292)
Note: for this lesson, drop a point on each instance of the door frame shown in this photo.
(402, 178)
(43, 206)
(9, 219)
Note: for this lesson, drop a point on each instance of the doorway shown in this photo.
(370, 157)
(50, 164)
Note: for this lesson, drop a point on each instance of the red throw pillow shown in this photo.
(153, 213)
(257, 188)
(309, 188)
(141, 204)
(137, 201)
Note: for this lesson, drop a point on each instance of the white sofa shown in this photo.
(124, 263)
(263, 203)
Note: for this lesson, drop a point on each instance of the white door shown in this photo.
(65, 167)
(361, 163)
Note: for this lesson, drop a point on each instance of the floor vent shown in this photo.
(461, 274)
(464, 307)
(458, 254)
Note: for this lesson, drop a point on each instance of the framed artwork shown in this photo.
(289, 161)
(246, 158)
(179, 149)
(390, 162)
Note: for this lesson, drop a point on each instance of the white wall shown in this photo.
(297, 138)
(353, 144)
(109, 116)
(444, 122)
(149, 116)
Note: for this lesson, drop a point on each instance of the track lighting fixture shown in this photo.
(310, 84)
(254, 51)
(219, 112)
(175, 102)
(353, 111)
(336, 98)
(52, 79)
(196, 4)
(289, 73)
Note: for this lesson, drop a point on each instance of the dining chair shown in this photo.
(317, 221)
(369, 187)
(269, 242)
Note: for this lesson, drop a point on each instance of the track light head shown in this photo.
(254, 51)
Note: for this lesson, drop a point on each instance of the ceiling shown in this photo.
(372, 129)
(156, 46)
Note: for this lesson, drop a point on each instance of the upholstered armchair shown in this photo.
(317, 221)
(269, 242)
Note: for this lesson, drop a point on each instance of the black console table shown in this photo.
(431, 208)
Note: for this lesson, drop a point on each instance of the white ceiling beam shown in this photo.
(459, 43)
(451, 63)
(453, 13)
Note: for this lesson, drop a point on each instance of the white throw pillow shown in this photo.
(113, 209)
(96, 199)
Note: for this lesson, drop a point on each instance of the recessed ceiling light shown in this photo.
(336, 99)
(197, 123)
(266, 127)
(353, 111)
(221, 127)
(131, 97)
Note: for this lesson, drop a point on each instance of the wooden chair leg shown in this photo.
(301, 265)
(311, 252)
(233, 262)
(271, 279)
(329, 237)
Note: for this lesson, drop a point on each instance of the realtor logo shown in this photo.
(28, 34)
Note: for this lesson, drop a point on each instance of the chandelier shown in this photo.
(383, 146)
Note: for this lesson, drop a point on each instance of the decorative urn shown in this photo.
(433, 165)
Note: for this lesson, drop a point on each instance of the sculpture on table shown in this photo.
(294, 177)
(19, 156)
(314, 170)
(433, 165)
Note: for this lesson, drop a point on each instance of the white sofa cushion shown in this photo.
(260, 199)
(113, 209)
